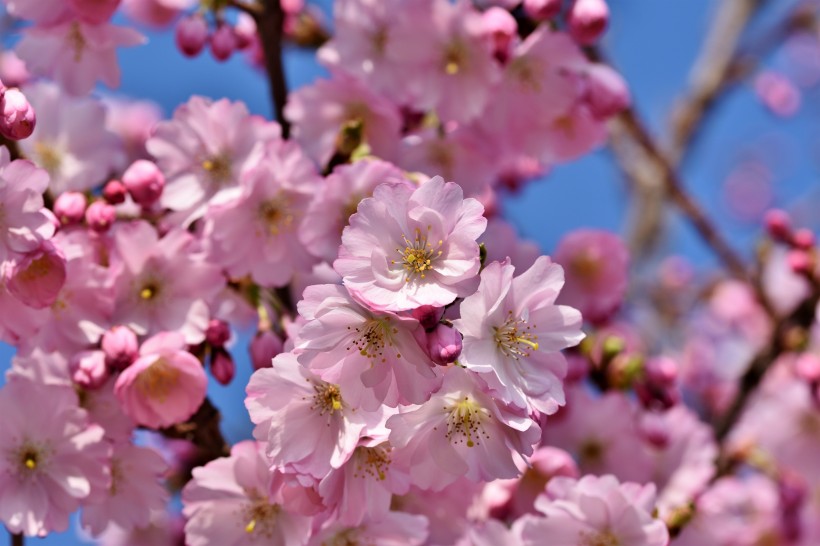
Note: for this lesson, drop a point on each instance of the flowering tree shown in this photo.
(422, 374)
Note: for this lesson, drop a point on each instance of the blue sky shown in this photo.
(653, 43)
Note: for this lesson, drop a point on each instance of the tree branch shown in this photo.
(13, 148)
(270, 20)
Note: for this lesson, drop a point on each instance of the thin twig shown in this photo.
(12, 147)
(17, 539)
(270, 22)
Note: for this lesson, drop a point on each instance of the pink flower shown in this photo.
(42, 12)
(363, 487)
(307, 424)
(450, 60)
(204, 150)
(346, 343)
(502, 242)
(391, 529)
(37, 278)
(136, 490)
(238, 500)
(597, 265)
(23, 225)
(166, 284)
(406, 248)
(256, 225)
(513, 332)
(51, 457)
(336, 200)
(76, 54)
(594, 510)
(324, 113)
(165, 385)
(460, 431)
(71, 141)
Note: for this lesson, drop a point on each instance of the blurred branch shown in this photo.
(270, 20)
(17, 539)
(12, 147)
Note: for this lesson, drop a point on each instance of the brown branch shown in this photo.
(270, 20)
(12, 147)
(17, 539)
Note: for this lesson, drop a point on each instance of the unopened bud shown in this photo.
(778, 224)
(264, 346)
(588, 20)
(70, 207)
(100, 216)
(500, 26)
(17, 118)
(191, 35)
(120, 346)
(799, 261)
(218, 333)
(444, 344)
(144, 181)
(542, 10)
(223, 367)
(803, 239)
(607, 93)
(427, 315)
(223, 42)
(115, 192)
(88, 369)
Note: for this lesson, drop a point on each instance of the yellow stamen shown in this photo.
(250, 526)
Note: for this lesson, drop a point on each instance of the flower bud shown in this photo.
(444, 344)
(799, 261)
(223, 42)
(144, 181)
(70, 207)
(88, 369)
(500, 26)
(100, 216)
(607, 93)
(778, 224)
(245, 31)
(37, 279)
(264, 346)
(661, 371)
(588, 20)
(192, 35)
(803, 239)
(17, 118)
(542, 10)
(120, 347)
(114, 192)
(12, 70)
(218, 333)
(95, 11)
(223, 367)
(427, 315)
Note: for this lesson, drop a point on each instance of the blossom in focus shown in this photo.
(165, 385)
(51, 458)
(405, 248)
(514, 332)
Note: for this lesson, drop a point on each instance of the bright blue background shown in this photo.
(652, 42)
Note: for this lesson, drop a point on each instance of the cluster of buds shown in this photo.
(193, 33)
(802, 256)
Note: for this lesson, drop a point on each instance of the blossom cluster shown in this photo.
(422, 374)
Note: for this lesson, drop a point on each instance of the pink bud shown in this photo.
(70, 207)
(37, 279)
(192, 35)
(120, 346)
(144, 181)
(114, 192)
(803, 239)
(264, 346)
(95, 11)
(100, 216)
(17, 118)
(799, 261)
(88, 369)
(245, 31)
(223, 42)
(222, 367)
(588, 20)
(807, 367)
(778, 224)
(542, 10)
(661, 371)
(500, 26)
(444, 344)
(607, 93)
(427, 315)
(13, 69)
(218, 333)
